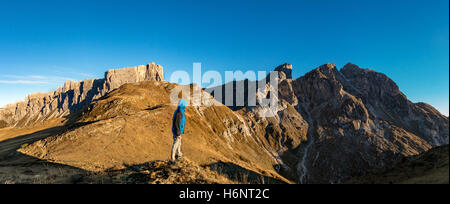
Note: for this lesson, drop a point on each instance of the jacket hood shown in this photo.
(182, 104)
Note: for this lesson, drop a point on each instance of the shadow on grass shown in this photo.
(16, 167)
(8, 146)
(23, 169)
(237, 173)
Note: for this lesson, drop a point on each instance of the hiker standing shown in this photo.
(178, 129)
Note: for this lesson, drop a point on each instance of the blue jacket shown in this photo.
(179, 118)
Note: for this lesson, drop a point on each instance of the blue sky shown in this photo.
(43, 43)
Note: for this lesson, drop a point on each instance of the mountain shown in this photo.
(330, 126)
(360, 121)
(334, 124)
(74, 95)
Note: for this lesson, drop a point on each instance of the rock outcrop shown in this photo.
(285, 71)
(74, 95)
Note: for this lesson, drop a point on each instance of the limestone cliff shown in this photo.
(74, 95)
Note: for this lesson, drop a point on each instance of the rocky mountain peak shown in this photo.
(368, 80)
(286, 65)
(327, 71)
(327, 67)
(352, 69)
(351, 66)
(284, 71)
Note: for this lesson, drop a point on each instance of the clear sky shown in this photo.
(43, 43)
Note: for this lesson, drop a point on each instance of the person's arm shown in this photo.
(177, 124)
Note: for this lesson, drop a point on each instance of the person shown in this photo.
(178, 130)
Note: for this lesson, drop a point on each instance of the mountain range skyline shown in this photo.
(353, 120)
(53, 82)
(54, 41)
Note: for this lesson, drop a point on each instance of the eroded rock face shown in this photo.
(333, 124)
(285, 71)
(359, 121)
(386, 102)
(74, 95)
(117, 77)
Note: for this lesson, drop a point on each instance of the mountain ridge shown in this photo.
(72, 95)
(330, 126)
(358, 108)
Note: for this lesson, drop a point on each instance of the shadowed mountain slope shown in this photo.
(431, 167)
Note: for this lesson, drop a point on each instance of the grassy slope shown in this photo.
(431, 167)
(132, 126)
